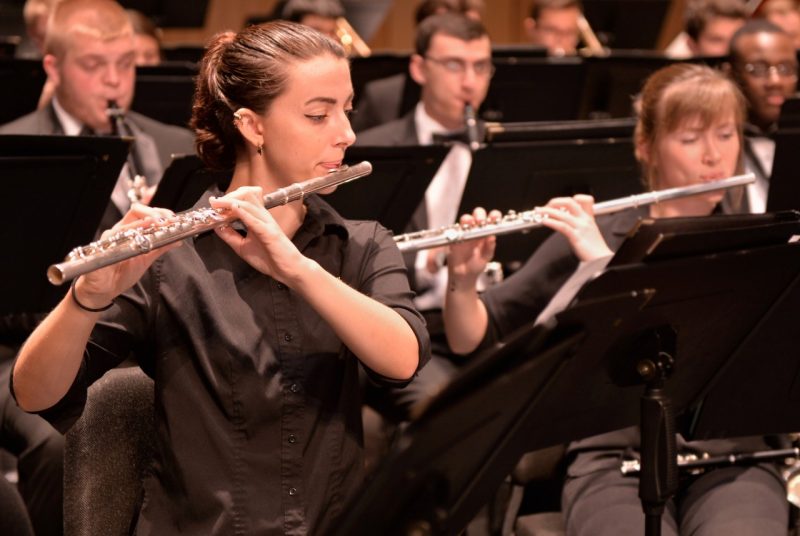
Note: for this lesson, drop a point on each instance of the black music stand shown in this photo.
(396, 187)
(58, 189)
(165, 92)
(784, 186)
(185, 181)
(171, 13)
(516, 50)
(21, 83)
(690, 331)
(520, 176)
(535, 89)
(666, 238)
(375, 67)
(613, 81)
(627, 23)
(520, 396)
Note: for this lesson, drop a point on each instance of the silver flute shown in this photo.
(129, 243)
(514, 222)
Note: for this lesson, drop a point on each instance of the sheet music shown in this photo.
(585, 272)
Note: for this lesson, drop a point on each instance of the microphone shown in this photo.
(472, 127)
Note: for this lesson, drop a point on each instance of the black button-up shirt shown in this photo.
(258, 410)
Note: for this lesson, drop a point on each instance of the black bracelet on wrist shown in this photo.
(82, 306)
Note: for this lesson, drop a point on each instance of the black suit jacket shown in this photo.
(384, 100)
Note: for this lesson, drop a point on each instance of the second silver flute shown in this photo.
(132, 242)
(529, 219)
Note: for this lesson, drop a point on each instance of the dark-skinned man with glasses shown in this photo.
(763, 62)
(452, 64)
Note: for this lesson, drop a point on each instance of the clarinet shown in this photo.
(132, 242)
(472, 128)
(138, 184)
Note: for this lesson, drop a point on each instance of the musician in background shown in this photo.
(709, 26)
(763, 63)
(453, 65)
(553, 24)
(35, 13)
(689, 131)
(383, 99)
(90, 60)
(254, 334)
(471, 8)
(784, 14)
(146, 38)
(318, 14)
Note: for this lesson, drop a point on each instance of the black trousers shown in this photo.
(39, 450)
(734, 501)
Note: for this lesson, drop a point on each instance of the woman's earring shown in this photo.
(260, 149)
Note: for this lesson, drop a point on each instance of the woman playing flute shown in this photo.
(689, 130)
(254, 333)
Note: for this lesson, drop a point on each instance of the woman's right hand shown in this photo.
(98, 288)
(467, 260)
(574, 218)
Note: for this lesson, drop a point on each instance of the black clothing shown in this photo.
(258, 410)
(39, 450)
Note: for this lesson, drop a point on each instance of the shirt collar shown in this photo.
(755, 131)
(70, 125)
(426, 125)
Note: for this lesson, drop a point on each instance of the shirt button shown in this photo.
(294, 388)
(292, 438)
(292, 491)
(281, 286)
(287, 337)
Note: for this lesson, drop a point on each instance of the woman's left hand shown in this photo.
(574, 218)
(265, 247)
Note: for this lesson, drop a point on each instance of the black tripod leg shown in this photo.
(658, 480)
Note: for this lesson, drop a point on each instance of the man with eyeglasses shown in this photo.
(389, 98)
(453, 66)
(763, 63)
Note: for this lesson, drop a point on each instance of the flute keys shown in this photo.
(452, 234)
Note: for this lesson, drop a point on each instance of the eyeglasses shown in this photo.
(458, 66)
(762, 69)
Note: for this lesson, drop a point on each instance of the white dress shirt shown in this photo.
(442, 200)
(763, 149)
